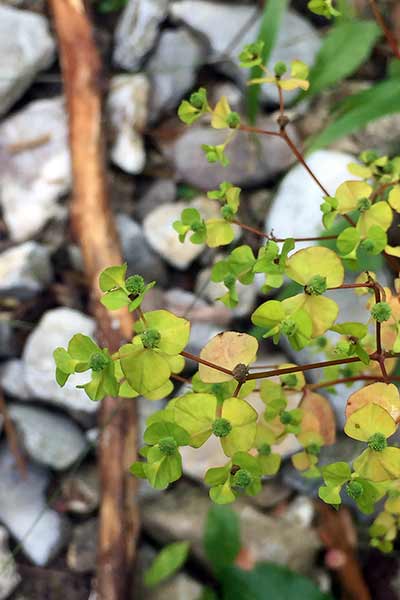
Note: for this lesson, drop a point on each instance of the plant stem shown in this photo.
(298, 368)
(316, 386)
(386, 31)
(201, 361)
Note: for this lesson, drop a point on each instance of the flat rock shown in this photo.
(26, 47)
(161, 236)
(12, 378)
(253, 161)
(206, 17)
(140, 257)
(81, 554)
(34, 166)
(127, 110)
(295, 209)
(25, 270)
(50, 439)
(172, 69)
(180, 515)
(9, 577)
(56, 328)
(160, 191)
(137, 31)
(22, 502)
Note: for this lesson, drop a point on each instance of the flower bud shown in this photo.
(135, 285)
(221, 427)
(316, 286)
(98, 361)
(381, 312)
(150, 338)
(167, 446)
(377, 442)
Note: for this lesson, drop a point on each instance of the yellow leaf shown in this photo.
(319, 408)
(378, 466)
(292, 84)
(379, 214)
(350, 193)
(394, 198)
(370, 419)
(304, 264)
(393, 250)
(227, 350)
(384, 394)
(220, 114)
(323, 311)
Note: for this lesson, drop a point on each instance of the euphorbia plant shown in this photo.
(218, 401)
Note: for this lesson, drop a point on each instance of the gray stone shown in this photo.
(137, 31)
(127, 110)
(26, 48)
(161, 191)
(9, 578)
(206, 18)
(8, 342)
(172, 69)
(253, 161)
(80, 491)
(81, 554)
(56, 328)
(50, 439)
(41, 531)
(25, 270)
(181, 514)
(12, 378)
(34, 166)
(161, 235)
(137, 252)
(295, 209)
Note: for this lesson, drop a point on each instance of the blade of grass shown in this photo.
(270, 24)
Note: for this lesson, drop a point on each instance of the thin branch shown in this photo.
(201, 361)
(323, 384)
(12, 437)
(301, 368)
(386, 31)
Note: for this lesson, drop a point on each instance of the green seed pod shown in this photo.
(377, 442)
(197, 100)
(135, 285)
(280, 68)
(221, 427)
(289, 327)
(354, 490)
(233, 120)
(265, 450)
(242, 479)
(286, 418)
(150, 338)
(364, 204)
(98, 361)
(381, 312)
(168, 446)
(316, 286)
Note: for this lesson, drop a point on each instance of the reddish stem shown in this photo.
(316, 386)
(297, 368)
(386, 31)
(205, 362)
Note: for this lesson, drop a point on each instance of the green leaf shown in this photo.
(146, 370)
(64, 362)
(81, 347)
(348, 241)
(161, 469)
(115, 299)
(174, 331)
(357, 330)
(330, 495)
(336, 474)
(269, 29)
(221, 536)
(243, 419)
(270, 581)
(163, 429)
(268, 315)
(345, 47)
(167, 562)
(112, 277)
(222, 494)
(196, 413)
(219, 233)
(358, 110)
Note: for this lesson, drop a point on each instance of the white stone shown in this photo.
(127, 110)
(9, 577)
(12, 379)
(50, 439)
(23, 510)
(24, 270)
(295, 211)
(172, 69)
(221, 23)
(137, 31)
(56, 328)
(164, 239)
(34, 166)
(26, 47)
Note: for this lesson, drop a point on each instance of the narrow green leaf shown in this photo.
(358, 110)
(222, 536)
(166, 563)
(270, 24)
(345, 48)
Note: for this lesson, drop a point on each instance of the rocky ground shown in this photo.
(155, 51)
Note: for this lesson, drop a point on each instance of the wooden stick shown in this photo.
(12, 438)
(94, 228)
